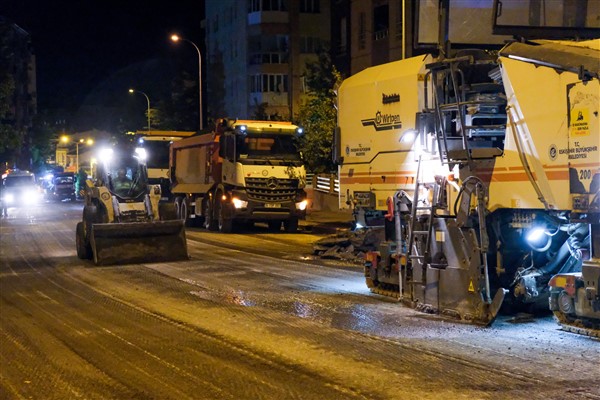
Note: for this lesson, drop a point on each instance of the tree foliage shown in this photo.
(10, 138)
(318, 115)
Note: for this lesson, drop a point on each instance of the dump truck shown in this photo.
(156, 143)
(123, 220)
(484, 170)
(243, 172)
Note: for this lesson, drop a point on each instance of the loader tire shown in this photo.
(210, 222)
(90, 217)
(167, 211)
(84, 249)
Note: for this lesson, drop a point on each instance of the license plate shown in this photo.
(272, 205)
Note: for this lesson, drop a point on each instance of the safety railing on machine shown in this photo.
(326, 183)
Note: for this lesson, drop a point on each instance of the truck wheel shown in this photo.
(274, 226)
(210, 223)
(177, 203)
(225, 224)
(198, 220)
(291, 225)
(84, 250)
(187, 221)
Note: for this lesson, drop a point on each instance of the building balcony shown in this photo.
(273, 99)
(268, 58)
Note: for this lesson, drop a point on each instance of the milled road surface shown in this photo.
(249, 316)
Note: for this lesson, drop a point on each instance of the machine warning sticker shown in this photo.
(580, 122)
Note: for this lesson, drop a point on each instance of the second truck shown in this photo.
(243, 172)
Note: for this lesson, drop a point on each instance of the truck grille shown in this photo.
(271, 189)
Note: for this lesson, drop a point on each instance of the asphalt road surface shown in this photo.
(251, 315)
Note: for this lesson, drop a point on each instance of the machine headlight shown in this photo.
(237, 203)
(302, 205)
(30, 197)
(9, 198)
(535, 235)
(105, 155)
(539, 239)
(140, 152)
(408, 136)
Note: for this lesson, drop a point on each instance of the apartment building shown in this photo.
(256, 53)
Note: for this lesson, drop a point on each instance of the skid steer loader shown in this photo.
(123, 221)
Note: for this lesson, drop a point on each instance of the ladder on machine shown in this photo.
(425, 235)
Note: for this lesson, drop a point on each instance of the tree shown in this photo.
(317, 114)
(11, 138)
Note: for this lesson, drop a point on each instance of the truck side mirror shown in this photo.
(336, 151)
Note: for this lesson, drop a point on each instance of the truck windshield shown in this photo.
(158, 153)
(63, 180)
(272, 147)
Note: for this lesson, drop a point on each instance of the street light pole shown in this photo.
(66, 139)
(148, 100)
(176, 38)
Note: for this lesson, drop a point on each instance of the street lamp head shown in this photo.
(64, 139)
(175, 38)
(131, 90)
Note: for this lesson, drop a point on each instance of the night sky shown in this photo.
(89, 51)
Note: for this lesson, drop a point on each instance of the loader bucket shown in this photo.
(138, 242)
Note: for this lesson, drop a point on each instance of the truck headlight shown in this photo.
(302, 205)
(9, 198)
(237, 203)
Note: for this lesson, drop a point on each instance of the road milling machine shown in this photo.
(486, 170)
(123, 221)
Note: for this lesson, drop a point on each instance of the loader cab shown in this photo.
(125, 175)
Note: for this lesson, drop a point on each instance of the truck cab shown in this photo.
(244, 172)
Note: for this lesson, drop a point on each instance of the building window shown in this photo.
(266, 5)
(309, 44)
(343, 37)
(277, 83)
(381, 22)
(362, 31)
(399, 22)
(268, 58)
(310, 6)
